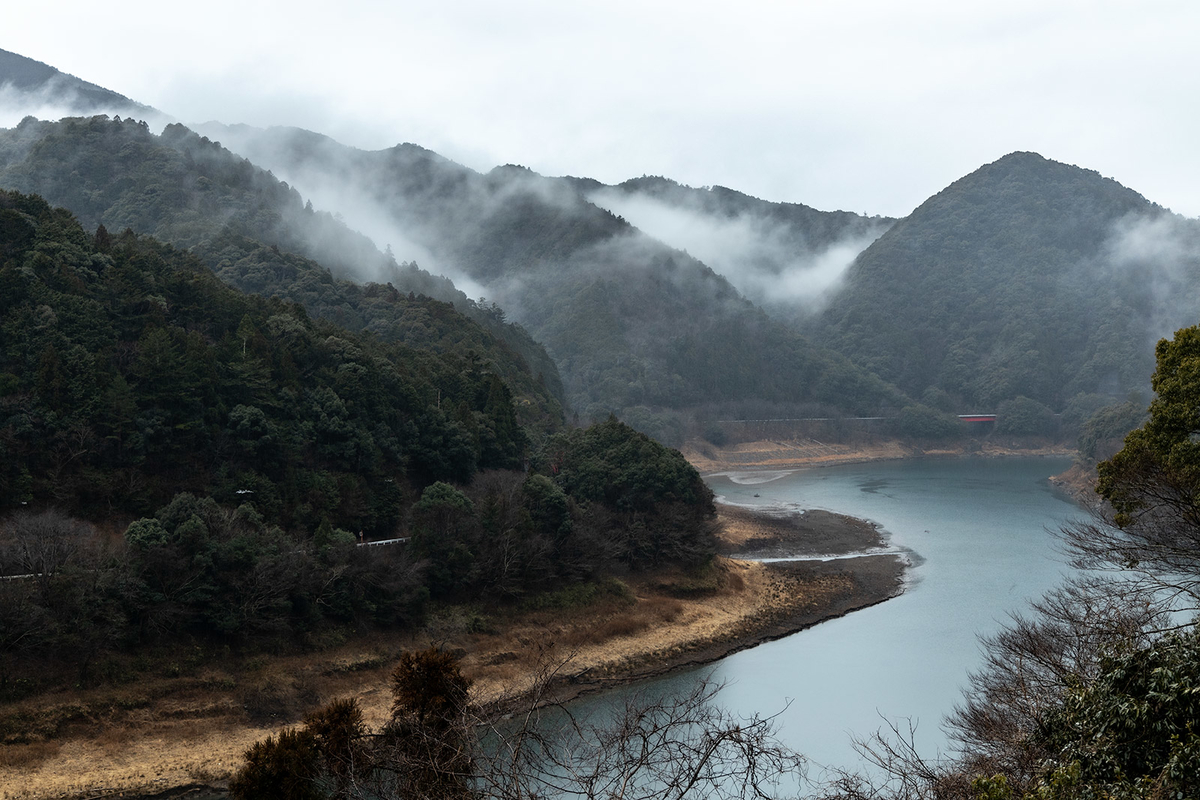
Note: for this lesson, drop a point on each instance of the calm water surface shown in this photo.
(979, 532)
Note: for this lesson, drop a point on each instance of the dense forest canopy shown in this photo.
(1026, 279)
(126, 363)
(251, 446)
(259, 235)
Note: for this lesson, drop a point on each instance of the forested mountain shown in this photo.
(1027, 282)
(1025, 279)
(130, 373)
(258, 234)
(252, 440)
(45, 85)
(786, 257)
(635, 327)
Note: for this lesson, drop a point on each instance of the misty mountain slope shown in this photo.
(41, 84)
(786, 257)
(632, 323)
(258, 234)
(1025, 278)
(178, 187)
(129, 373)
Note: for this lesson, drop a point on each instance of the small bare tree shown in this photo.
(40, 545)
(649, 747)
(437, 745)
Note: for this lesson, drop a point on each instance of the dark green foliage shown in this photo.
(479, 333)
(599, 498)
(1101, 435)
(1133, 731)
(1013, 282)
(1130, 732)
(613, 464)
(1024, 417)
(257, 235)
(198, 567)
(657, 507)
(443, 525)
(1078, 410)
(136, 368)
(923, 422)
(194, 572)
(1160, 462)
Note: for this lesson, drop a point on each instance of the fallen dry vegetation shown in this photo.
(189, 729)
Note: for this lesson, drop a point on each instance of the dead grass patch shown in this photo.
(647, 613)
(278, 696)
(27, 756)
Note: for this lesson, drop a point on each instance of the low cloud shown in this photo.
(768, 261)
(55, 100)
(331, 186)
(1159, 258)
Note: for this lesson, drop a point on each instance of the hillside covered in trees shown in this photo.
(636, 327)
(249, 446)
(128, 364)
(1025, 279)
(258, 234)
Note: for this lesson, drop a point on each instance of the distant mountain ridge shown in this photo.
(635, 326)
(1027, 280)
(53, 86)
(812, 227)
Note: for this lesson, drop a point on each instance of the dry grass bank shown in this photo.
(161, 732)
(1080, 482)
(771, 454)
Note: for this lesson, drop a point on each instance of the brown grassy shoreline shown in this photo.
(773, 454)
(191, 731)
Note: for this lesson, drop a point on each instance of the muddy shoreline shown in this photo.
(808, 592)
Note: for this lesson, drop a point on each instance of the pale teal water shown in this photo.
(980, 528)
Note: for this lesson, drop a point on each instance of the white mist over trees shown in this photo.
(769, 260)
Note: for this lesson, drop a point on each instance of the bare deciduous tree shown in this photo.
(669, 747)
(42, 544)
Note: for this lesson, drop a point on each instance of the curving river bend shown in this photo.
(979, 530)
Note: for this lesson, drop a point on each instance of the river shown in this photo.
(979, 534)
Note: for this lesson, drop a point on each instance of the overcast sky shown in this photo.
(862, 106)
